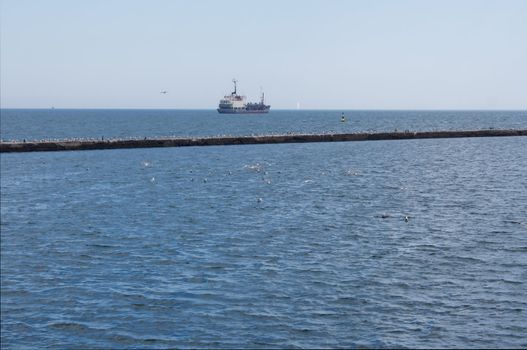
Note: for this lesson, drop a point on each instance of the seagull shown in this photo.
(163, 92)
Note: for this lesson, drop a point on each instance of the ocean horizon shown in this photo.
(363, 184)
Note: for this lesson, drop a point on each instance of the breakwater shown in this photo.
(77, 145)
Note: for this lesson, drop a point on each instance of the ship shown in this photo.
(236, 104)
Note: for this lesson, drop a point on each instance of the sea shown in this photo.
(375, 244)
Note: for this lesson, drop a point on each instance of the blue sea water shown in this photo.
(31, 124)
(264, 246)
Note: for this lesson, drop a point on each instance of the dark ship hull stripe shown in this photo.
(243, 111)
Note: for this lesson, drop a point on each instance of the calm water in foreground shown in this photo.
(265, 246)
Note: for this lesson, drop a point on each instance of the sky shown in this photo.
(331, 54)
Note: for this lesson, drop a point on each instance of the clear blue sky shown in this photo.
(324, 54)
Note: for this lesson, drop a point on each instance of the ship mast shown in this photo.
(234, 81)
(262, 98)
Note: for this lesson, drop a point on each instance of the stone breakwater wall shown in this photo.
(66, 145)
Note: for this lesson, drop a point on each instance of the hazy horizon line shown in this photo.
(276, 109)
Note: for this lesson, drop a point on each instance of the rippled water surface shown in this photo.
(267, 246)
(19, 124)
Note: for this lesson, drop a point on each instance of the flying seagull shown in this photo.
(163, 92)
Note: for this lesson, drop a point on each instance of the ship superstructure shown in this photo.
(236, 104)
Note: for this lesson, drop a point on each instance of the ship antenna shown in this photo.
(234, 81)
